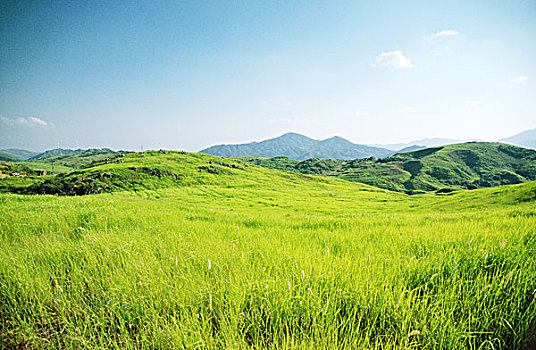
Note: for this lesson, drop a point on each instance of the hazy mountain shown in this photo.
(525, 139)
(64, 152)
(427, 142)
(464, 166)
(7, 158)
(299, 147)
(19, 154)
(411, 148)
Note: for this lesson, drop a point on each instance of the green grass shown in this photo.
(461, 166)
(65, 163)
(258, 258)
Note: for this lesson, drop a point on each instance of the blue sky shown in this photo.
(190, 74)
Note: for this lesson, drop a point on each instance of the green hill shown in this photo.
(64, 152)
(18, 154)
(460, 166)
(299, 147)
(7, 158)
(204, 252)
(66, 163)
(136, 171)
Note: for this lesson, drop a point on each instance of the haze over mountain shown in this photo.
(18, 154)
(300, 147)
(425, 142)
(525, 139)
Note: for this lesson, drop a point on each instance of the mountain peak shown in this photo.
(299, 147)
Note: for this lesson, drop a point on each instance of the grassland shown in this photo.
(65, 163)
(258, 258)
(468, 165)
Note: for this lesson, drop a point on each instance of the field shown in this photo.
(259, 258)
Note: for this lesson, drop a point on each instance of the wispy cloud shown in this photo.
(447, 32)
(29, 121)
(38, 121)
(474, 103)
(392, 58)
(519, 79)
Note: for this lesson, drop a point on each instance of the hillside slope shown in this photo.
(18, 154)
(151, 170)
(461, 166)
(7, 158)
(64, 152)
(66, 163)
(299, 147)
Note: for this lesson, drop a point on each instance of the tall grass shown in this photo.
(293, 264)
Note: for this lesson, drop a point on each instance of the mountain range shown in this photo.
(300, 147)
(525, 139)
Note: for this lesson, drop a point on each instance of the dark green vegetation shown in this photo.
(219, 255)
(461, 166)
(18, 154)
(299, 147)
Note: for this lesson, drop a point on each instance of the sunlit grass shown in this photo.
(271, 261)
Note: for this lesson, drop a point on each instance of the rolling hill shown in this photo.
(460, 166)
(194, 251)
(299, 147)
(7, 158)
(64, 152)
(18, 154)
(68, 162)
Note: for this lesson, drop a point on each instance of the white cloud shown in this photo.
(519, 79)
(38, 121)
(392, 58)
(474, 103)
(7, 121)
(30, 121)
(446, 33)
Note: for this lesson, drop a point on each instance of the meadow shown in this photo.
(259, 258)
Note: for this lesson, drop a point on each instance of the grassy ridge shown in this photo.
(61, 161)
(461, 166)
(258, 258)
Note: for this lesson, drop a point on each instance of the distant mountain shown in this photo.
(427, 142)
(460, 166)
(525, 139)
(18, 154)
(299, 147)
(65, 152)
(7, 158)
(411, 148)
